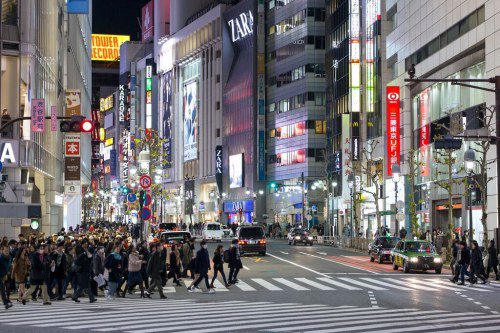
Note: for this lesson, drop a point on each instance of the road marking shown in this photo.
(386, 284)
(322, 253)
(314, 284)
(338, 284)
(295, 264)
(284, 252)
(362, 284)
(267, 285)
(373, 300)
(359, 258)
(245, 267)
(437, 285)
(244, 286)
(411, 285)
(219, 286)
(340, 263)
(290, 284)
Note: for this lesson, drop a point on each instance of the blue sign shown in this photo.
(236, 206)
(132, 197)
(314, 208)
(78, 6)
(1, 166)
(146, 213)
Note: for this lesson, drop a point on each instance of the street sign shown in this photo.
(387, 212)
(72, 145)
(147, 200)
(145, 181)
(38, 115)
(132, 197)
(314, 208)
(146, 213)
(400, 217)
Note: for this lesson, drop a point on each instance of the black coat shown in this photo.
(218, 261)
(476, 259)
(60, 269)
(114, 263)
(202, 263)
(464, 257)
(492, 256)
(40, 268)
(84, 274)
(234, 258)
(155, 265)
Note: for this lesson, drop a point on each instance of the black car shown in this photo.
(251, 239)
(299, 236)
(381, 248)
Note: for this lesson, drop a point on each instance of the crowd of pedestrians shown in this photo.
(105, 261)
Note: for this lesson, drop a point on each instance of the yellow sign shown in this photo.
(102, 133)
(107, 103)
(108, 142)
(107, 47)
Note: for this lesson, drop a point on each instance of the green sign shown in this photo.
(34, 224)
(387, 212)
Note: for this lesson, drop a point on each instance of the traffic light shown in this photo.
(448, 142)
(77, 124)
(273, 185)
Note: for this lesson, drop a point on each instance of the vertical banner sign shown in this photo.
(73, 103)
(190, 121)
(38, 115)
(125, 155)
(149, 96)
(218, 168)
(424, 133)
(393, 122)
(188, 197)
(166, 104)
(53, 118)
(261, 95)
(121, 103)
(147, 21)
(355, 132)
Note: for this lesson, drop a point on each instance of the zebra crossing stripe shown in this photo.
(338, 284)
(411, 285)
(440, 286)
(386, 284)
(219, 286)
(314, 284)
(362, 284)
(290, 284)
(267, 285)
(244, 286)
(482, 288)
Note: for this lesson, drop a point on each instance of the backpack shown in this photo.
(226, 256)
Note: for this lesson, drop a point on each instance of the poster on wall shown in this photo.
(189, 197)
(190, 121)
(73, 103)
(166, 105)
(236, 171)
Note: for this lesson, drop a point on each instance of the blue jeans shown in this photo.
(112, 286)
(463, 272)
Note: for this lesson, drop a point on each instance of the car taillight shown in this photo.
(241, 242)
(262, 241)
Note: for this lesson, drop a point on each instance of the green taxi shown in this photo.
(416, 255)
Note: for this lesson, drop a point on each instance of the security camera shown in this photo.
(411, 71)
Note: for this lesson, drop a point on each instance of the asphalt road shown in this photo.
(293, 289)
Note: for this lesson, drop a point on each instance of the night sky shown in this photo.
(119, 17)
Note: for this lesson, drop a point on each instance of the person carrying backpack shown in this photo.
(218, 261)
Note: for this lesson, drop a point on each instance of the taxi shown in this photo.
(416, 255)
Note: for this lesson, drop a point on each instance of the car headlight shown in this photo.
(310, 238)
(414, 259)
(438, 260)
(297, 237)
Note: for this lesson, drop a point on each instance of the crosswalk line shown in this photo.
(219, 286)
(267, 285)
(437, 285)
(481, 288)
(362, 284)
(386, 284)
(410, 285)
(338, 284)
(314, 284)
(290, 284)
(244, 286)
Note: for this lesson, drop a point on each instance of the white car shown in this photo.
(212, 231)
(227, 232)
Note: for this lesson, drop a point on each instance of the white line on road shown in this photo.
(245, 267)
(385, 284)
(290, 284)
(338, 284)
(314, 284)
(340, 263)
(362, 284)
(284, 252)
(244, 286)
(267, 285)
(321, 253)
(295, 264)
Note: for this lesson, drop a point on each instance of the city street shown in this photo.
(293, 288)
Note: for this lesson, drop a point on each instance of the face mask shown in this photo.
(204, 246)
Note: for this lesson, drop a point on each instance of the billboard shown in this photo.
(236, 171)
(107, 47)
(393, 121)
(148, 22)
(218, 168)
(73, 103)
(166, 116)
(190, 121)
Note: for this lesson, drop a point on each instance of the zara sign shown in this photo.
(241, 26)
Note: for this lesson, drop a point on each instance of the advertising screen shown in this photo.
(190, 120)
(236, 171)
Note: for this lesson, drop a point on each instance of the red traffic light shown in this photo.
(87, 126)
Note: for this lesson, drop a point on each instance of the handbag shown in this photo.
(99, 279)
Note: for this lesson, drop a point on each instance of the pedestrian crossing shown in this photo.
(154, 315)
(383, 284)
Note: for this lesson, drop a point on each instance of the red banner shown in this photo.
(424, 133)
(393, 127)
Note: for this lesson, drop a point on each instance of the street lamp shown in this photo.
(470, 160)
(350, 182)
(396, 172)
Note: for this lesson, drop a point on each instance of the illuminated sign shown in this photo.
(241, 26)
(109, 142)
(218, 167)
(236, 171)
(107, 103)
(424, 133)
(393, 121)
(149, 96)
(102, 134)
(8, 153)
(121, 102)
(125, 157)
(107, 47)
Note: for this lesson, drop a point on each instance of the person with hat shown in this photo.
(5, 264)
(84, 275)
(39, 274)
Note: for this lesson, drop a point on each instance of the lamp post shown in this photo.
(351, 183)
(396, 172)
(470, 160)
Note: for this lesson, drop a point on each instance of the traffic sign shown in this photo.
(145, 181)
(147, 200)
(132, 197)
(146, 213)
(72, 145)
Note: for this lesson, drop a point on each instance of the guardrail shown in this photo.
(356, 243)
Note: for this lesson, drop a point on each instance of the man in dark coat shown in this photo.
(39, 273)
(201, 267)
(492, 260)
(59, 273)
(84, 275)
(463, 260)
(234, 262)
(155, 271)
(5, 264)
(476, 264)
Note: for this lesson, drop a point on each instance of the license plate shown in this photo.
(251, 242)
